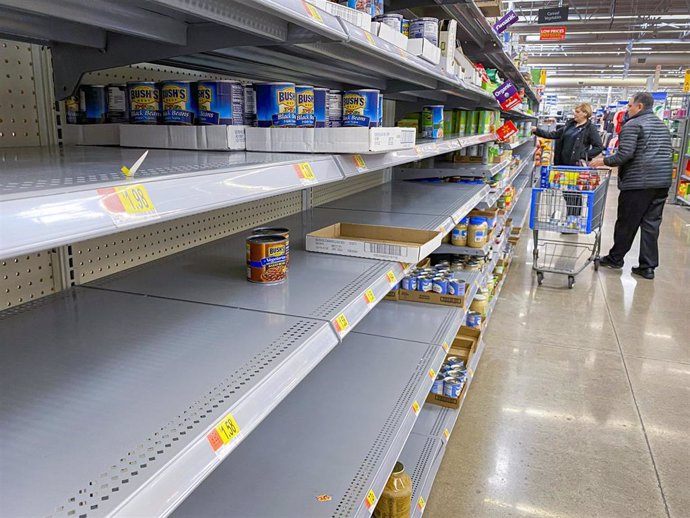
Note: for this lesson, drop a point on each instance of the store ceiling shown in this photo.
(609, 38)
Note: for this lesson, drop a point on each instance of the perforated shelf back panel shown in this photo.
(103, 256)
(19, 105)
(26, 278)
(146, 72)
(326, 193)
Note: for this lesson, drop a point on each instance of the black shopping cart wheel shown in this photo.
(571, 281)
(596, 264)
(540, 278)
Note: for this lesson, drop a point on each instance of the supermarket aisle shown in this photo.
(581, 402)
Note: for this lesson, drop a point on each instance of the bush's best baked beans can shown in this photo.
(267, 259)
(276, 231)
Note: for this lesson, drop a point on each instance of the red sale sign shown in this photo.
(551, 33)
(512, 101)
(506, 131)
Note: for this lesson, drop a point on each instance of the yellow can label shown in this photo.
(354, 104)
(205, 96)
(286, 100)
(175, 97)
(143, 97)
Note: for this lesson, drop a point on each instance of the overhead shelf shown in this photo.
(521, 142)
(444, 169)
(55, 196)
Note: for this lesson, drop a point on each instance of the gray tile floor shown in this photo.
(581, 403)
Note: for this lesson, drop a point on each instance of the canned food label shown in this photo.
(176, 101)
(370, 500)
(415, 407)
(369, 296)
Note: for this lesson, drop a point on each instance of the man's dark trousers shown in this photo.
(641, 209)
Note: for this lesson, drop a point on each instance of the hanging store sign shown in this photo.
(686, 83)
(553, 14)
(506, 131)
(506, 21)
(551, 33)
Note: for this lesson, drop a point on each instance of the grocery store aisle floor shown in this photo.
(581, 403)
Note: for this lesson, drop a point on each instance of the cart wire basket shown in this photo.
(571, 202)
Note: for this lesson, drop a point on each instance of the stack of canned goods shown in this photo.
(451, 378)
(371, 7)
(436, 279)
(280, 104)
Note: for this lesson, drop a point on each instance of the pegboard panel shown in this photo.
(103, 256)
(26, 116)
(25, 278)
(333, 191)
(145, 72)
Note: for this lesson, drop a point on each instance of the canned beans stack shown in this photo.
(451, 378)
(437, 279)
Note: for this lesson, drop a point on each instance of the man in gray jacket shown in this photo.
(645, 173)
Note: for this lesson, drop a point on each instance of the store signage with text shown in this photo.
(506, 131)
(553, 14)
(506, 21)
(551, 33)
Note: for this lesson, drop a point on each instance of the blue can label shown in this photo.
(437, 387)
(144, 103)
(335, 109)
(409, 283)
(276, 105)
(220, 102)
(305, 106)
(426, 28)
(456, 288)
(424, 284)
(320, 107)
(93, 104)
(361, 108)
(440, 286)
(177, 103)
(452, 387)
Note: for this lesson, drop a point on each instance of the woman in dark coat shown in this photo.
(576, 141)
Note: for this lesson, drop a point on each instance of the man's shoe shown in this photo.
(608, 263)
(647, 273)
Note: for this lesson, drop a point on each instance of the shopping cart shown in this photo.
(569, 201)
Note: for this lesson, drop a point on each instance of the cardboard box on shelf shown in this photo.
(467, 338)
(424, 49)
(358, 18)
(406, 245)
(392, 295)
(430, 297)
(450, 402)
(216, 138)
(330, 140)
(91, 134)
(389, 34)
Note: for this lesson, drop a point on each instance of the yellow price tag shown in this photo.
(370, 499)
(415, 407)
(432, 374)
(369, 38)
(305, 171)
(446, 433)
(359, 162)
(470, 371)
(418, 150)
(135, 199)
(228, 429)
(341, 323)
(421, 503)
(391, 276)
(446, 347)
(369, 296)
(313, 12)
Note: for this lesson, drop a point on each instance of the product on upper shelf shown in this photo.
(426, 28)
(143, 102)
(394, 21)
(335, 108)
(92, 104)
(116, 101)
(396, 498)
(459, 233)
(276, 105)
(220, 102)
(178, 102)
(432, 121)
(361, 108)
(305, 117)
